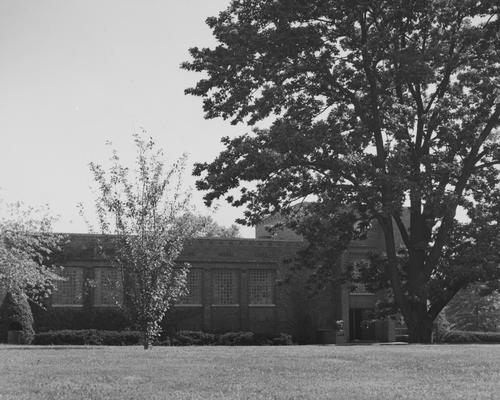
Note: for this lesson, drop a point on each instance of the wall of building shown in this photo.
(262, 298)
(266, 297)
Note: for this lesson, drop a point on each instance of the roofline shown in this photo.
(205, 239)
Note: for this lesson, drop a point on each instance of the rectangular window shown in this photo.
(193, 287)
(108, 289)
(359, 287)
(261, 286)
(3, 293)
(225, 286)
(70, 290)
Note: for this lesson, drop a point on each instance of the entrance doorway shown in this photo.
(361, 324)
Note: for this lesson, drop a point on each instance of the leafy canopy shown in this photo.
(207, 227)
(376, 105)
(27, 247)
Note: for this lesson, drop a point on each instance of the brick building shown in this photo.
(234, 285)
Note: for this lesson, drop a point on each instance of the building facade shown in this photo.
(233, 285)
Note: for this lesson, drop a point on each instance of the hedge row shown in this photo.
(181, 338)
(87, 337)
(469, 337)
(196, 338)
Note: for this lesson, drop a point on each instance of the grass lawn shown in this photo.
(289, 372)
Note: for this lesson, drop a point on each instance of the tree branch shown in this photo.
(402, 230)
(467, 170)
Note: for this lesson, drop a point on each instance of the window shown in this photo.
(108, 289)
(193, 286)
(70, 290)
(3, 293)
(359, 287)
(260, 286)
(225, 287)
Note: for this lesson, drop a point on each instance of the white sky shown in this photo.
(76, 73)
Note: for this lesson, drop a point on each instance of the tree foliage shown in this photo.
(146, 210)
(27, 247)
(376, 105)
(206, 227)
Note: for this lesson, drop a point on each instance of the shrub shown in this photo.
(181, 338)
(123, 338)
(470, 337)
(459, 337)
(15, 314)
(283, 339)
(488, 337)
(88, 337)
(192, 338)
(237, 339)
(68, 337)
(196, 338)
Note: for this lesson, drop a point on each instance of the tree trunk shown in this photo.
(146, 340)
(420, 331)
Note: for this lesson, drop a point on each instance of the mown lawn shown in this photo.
(289, 372)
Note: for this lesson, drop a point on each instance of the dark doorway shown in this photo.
(361, 325)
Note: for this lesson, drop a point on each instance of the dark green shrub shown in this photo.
(264, 339)
(15, 315)
(181, 338)
(67, 337)
(237, 339)
(192, 338)
(88, 337)
(123, 338)
(459, 337)
(488, 337)
(470, 337)
(282, 340)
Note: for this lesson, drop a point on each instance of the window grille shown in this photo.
(193, 287)
(108, 289)
(261, 286)
(70, 290)
(3, 293)
(358, 287)
(225, 287)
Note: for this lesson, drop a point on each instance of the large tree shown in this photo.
(375, 106)
(149, 212)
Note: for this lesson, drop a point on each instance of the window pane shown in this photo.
(108, 290)
(260, 286)
(359, 287)
(225, 287)
(70, 290)
(193, 286)
(3, 293)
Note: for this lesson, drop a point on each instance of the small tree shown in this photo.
(27, 245)
(146, 212)
(15, 315)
